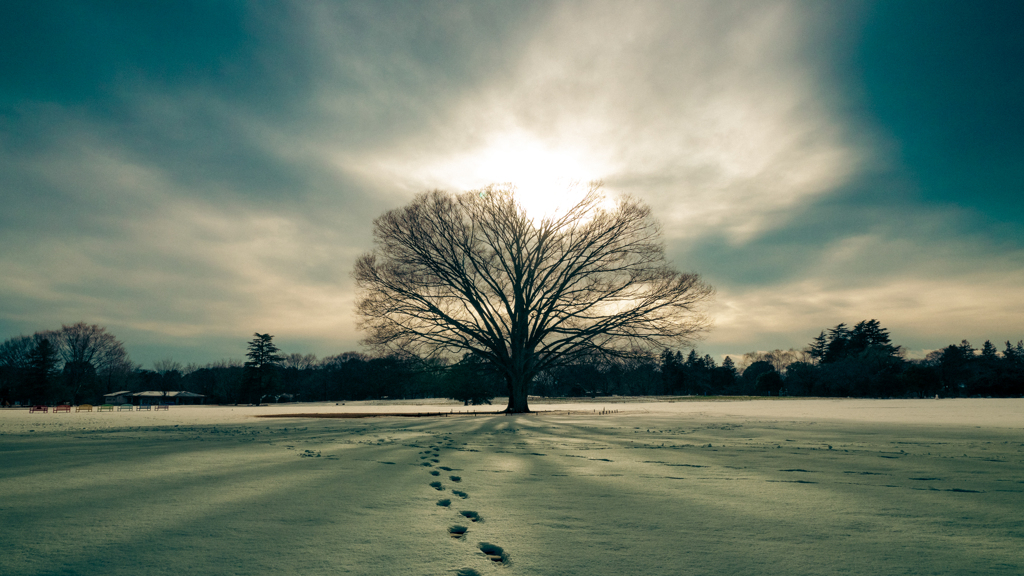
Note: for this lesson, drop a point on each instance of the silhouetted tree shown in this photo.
(42, 381)
(475, 273)
(869, 334)
(471, 381)
(91, 357)
(723, 378)
(220, 382)
(802, 379)
(15, 366)
(953, 366)
(836, 348)
(920, 380)
(751, 374)
(818, 347)
(260, 375)
(640, 375)
(672, 375)
(301, 377)
(769, 383)
(1014, 354)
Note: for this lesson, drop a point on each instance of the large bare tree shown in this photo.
(475, 272)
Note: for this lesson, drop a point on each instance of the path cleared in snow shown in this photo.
(780, 486)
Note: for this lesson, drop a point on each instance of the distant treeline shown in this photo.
(80, 363)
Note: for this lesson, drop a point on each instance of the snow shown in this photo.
(604, 486)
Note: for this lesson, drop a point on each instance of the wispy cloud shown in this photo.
(713, 114)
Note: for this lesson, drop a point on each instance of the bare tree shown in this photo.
(90, 355)
(299, 361)
(474, 272)
(167, 365)
(779, 359)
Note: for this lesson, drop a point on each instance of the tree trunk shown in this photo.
(518, 386)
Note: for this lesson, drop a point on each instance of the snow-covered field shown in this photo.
(595, 487)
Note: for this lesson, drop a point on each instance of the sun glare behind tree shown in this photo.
(545, 174)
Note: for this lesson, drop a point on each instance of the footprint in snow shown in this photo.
(473, 516)
(460, 494)
(435, 473)
(436, 486)
(457, 531)
(494, 553)
(456, 478)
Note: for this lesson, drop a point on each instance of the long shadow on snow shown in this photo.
(133, 501)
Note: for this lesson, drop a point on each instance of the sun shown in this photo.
(545, 177)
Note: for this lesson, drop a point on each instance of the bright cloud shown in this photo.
(680, 111)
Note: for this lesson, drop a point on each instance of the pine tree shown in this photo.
(728, 364)
(1010, 354)
(818, 347)
(837, 340)
(988, 350)
(870, 334)
(966, 350)
(260, 375)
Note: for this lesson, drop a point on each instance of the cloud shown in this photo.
(129, 246)
(925, 275)
(711, 113)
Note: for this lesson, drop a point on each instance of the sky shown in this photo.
(186, 174)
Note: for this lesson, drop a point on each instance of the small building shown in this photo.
(186, 397)
(120, 397)
(153, 397)
(169, 397)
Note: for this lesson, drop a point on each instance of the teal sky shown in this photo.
(188, 173)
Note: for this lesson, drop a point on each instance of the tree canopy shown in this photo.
(474, 272)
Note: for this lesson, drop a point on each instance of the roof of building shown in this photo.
(157, 394)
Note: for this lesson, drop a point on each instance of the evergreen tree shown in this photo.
(1010, 354)
(836, 348)
(672, 371)
(988, 351)
(818, 347)
(870, 334)
(723, 378)
(966, 350)
(729, 365)
(260, 375)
